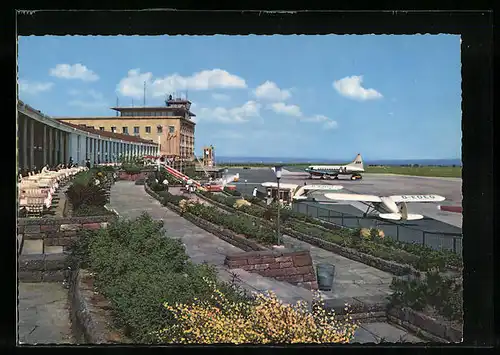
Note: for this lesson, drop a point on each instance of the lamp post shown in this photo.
(277, 171)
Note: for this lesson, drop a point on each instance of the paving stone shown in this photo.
(390, 333)
(34, 246)
(43, 314)
(53, 249)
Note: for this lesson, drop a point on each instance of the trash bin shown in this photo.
(325, 274)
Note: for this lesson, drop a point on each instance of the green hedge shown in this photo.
(252, 228)
(443, 294)
(138, 268)
(232, 192)
(84, 194)
(131, 168)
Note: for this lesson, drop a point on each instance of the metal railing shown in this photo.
(433, 239)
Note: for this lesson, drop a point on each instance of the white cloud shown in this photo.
(241, 114)
(76, 71)
(133, 84)
(351, 87)
(270, 91)
(33, 88)
(291, 110)
(327, 123)
(221, 97)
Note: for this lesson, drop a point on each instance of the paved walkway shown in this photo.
(43, 314)
(353, 279)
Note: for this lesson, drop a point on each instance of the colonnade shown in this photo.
(44, 141)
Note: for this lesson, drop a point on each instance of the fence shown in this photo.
(433, 239)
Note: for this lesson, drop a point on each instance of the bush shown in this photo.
(240, 224)
(157, 187)
(131, 168)
(84, 191)
(232, 192)
(265, 321)
(444, 294)
(137, 268)
(173, 199)
(84, 211)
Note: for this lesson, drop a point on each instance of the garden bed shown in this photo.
(237, 239)
(89, 192)
(142, 283)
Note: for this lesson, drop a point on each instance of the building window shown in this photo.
(159, 129)
(136, 130)
(171, 129)
(113, 129)
(101, 128)
(148, 129)
(125, 130)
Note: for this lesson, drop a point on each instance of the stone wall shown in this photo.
(91, 312)
(424, 325)
(294, 267)
(58, 231)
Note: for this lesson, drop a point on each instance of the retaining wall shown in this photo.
(90, 312)
(294, 267)
(59, 231)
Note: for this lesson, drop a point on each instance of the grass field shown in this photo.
(434, 171)
(430, 171)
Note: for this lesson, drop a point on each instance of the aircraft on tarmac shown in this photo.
(297, 192)
(388, 207)
(354, 169)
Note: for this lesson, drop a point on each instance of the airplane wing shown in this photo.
(323, 187)
(353, 197)
(417, 198)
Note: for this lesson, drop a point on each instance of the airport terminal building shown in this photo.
(170, 126)
(44, 140)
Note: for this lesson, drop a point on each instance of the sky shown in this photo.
(325, 97)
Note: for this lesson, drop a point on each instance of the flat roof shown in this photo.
(153, 108)
(124, 137)
(121, 118)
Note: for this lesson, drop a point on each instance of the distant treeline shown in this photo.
(414, 165)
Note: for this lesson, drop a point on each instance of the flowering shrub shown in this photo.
(262, 321)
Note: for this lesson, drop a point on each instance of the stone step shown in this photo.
(53, 249)
(34, 246)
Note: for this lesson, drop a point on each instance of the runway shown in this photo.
(382, 185)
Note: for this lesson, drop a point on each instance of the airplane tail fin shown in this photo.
(357, 162)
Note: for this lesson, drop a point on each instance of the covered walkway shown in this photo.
(43, 140)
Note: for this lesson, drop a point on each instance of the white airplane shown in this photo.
(388, 207)
(354, 169)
